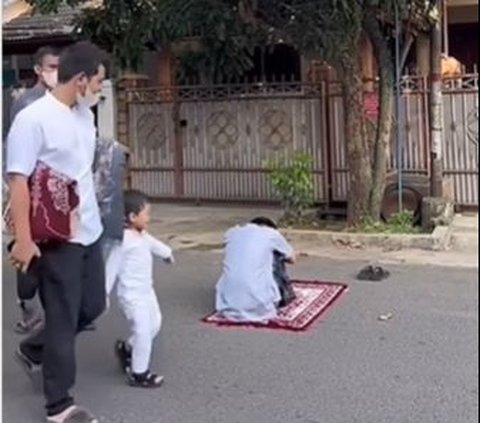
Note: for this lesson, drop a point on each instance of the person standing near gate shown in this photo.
(60, 132)
(46, 68)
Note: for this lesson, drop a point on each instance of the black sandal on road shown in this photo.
(123, 352)
(145, 380)
(373, 274)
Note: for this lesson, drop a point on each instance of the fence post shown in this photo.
(178, 144)
(123, 117)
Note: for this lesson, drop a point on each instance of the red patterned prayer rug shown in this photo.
(313, 299)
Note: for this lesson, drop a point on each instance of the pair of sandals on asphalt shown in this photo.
(373, 274)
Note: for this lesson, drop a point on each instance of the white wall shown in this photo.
(106, 112)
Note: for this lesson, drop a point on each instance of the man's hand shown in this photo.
(22, 254)
(291, 260)
(24, 249)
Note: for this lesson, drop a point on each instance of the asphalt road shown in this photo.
(419, 367)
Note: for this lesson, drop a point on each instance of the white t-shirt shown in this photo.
(64, 139)
(247, 290)
(131, 265)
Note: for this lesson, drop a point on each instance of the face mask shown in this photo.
(89, 99)
(50, 79)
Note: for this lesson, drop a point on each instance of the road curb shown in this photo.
(438, 240)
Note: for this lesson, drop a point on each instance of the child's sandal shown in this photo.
(124, 355)
(145, 380)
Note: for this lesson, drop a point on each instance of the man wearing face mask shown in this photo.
(61, 134)
(46, 67)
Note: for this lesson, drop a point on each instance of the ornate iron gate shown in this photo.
(211, 143)
(222, 138)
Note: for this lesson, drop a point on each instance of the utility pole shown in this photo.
(436, 107)
(398, 107)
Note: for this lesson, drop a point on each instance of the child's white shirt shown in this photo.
(131, 265)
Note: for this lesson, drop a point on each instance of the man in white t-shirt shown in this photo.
(59, 130)
(247, 290)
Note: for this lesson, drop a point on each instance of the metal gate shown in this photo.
(224, 134)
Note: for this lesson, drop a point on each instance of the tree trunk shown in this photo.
(358, 153)
(385, 118)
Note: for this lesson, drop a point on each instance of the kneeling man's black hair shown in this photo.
(264, 221)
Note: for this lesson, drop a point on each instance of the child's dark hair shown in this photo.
(135, 201)
(264, 221)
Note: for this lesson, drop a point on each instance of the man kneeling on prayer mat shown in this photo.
(254, 283)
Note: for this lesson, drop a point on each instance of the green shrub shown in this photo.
(292, 181)
(399, 223)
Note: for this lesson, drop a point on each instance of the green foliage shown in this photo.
(127, 28)
(324, 29)
(121, 27)
(226, 41)
(293, 182)
(399, 223)
(52, 6)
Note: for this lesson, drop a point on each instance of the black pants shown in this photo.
(72, 292)
(280, 276)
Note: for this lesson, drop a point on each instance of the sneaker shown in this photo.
(73, 414)
(123, 353)
(145, 380)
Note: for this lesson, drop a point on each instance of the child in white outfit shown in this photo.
(130, 268)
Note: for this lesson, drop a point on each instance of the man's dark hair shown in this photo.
(82, 57)
(135, 201)
(44, 51)
(264, 221)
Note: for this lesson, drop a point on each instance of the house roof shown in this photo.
(24, 24)
(27, 27)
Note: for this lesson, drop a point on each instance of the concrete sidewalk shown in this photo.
(202, 228)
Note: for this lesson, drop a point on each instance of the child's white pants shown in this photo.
(145, 318)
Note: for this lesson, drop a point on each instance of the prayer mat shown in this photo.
(313, 298)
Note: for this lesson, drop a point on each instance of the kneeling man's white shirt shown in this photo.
(247, 290)
(64, 139)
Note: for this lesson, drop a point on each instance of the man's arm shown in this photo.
(281, 245)
(20, 206)
(112, 268)
(23, 147)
